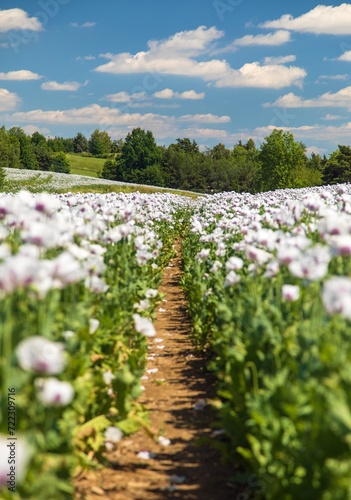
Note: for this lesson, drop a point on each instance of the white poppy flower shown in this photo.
(54, 392)
(290, 293)
(336, 296)
(41, 355)
(144, 326)
(234, 263)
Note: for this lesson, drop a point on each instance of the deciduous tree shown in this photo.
(280, 156)
(100, 143)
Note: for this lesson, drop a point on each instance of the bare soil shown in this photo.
(189, 468)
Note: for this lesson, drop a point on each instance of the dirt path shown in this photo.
(174, 394)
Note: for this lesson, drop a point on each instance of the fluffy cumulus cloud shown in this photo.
(22, 74)
(340, 99)
(8, 100)
(272, 76)
(18, 19)
(178, 55)
(30, 129)
(65, 86)
(323, 19)
(327, 134)
(96, 114)
(173, 56)
(119, 123)
(277, 38)
(186, 95)
(346, 56)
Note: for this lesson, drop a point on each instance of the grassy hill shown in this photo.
(84, 165)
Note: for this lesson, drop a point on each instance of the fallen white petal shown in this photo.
(152, 370)
(163, 441)
(146, 455)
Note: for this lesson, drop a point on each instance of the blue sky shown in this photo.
(211, 70)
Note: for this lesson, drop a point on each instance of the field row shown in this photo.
(268, 279)
(79, 278)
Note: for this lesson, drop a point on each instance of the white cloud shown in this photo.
(332, 77)
(165, 94)
(18, 19)
(271, 39)
(316, 150)
(84, 25)
(186, 95)
(330, 117)
(93, 114)
(22, 74)
(188, 43)
(8, 100)
(346, 56)
(65, 86)
(176, 56)
(30, 129)
(119, 123)
(205, 118)
(86, 58)
(325, 133)
(269, 76)
(125, 97)
(323, 19)
(191, 94)
(340, 99)
(278, 38)
(182, 66)
(173, 56)
(279, 59)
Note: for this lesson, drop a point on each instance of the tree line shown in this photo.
(279, 162)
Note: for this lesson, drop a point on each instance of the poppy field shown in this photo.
(268, 283)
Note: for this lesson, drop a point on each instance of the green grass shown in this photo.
(84, 165)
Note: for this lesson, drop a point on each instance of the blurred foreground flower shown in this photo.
(144, 326)
(54, 392)
(290, 293)
(336, 296)
(93, 325)
(41, 355)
